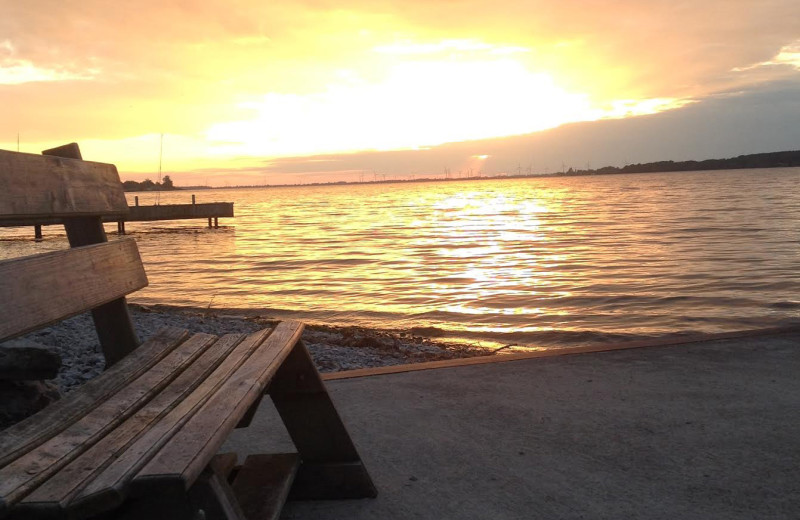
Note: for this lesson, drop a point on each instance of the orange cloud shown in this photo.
(251, 78)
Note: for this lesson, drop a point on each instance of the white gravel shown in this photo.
(333, 348)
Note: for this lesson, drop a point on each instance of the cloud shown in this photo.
(74, 70)
(668, 48)
(19, 72)
(762, 119)
(447, 46)
(663, 48)
(788, 57)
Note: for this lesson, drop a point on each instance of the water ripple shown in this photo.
(542, 262)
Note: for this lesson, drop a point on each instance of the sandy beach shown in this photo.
(334, 348)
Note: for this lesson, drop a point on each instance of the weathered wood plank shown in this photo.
(248, 416)
(263, 483)
(53, 496)
(110, 487)
(142, 214)
(70, 151)
(298, 386)
(84, 231)
(38, 221)
(31, 432)
(180, 211)
(317, 431)
(47, 186)
(23, 475)
(178, 464)
(42, 289)
(112, 321)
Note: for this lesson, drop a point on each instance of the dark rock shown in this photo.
(431, 332)
(22, 359)
(20, 399)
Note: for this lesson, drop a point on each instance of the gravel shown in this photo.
(333, 348)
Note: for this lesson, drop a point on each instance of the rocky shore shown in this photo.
(333, 348)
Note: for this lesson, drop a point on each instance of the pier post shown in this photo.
(136, 200)
(216, 222)
(37, 231)
(209, 222)
(120, 227)
(192, 199)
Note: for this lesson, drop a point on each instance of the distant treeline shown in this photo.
(756, 160)
(148, 185)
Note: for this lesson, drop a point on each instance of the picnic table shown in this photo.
(142, 439)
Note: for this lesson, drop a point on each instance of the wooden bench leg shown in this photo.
(250, 414)
(210, 498)
(331, 467)
(212, 494)
(112, 320)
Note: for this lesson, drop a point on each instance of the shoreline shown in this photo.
(353, 349)
(334, 348)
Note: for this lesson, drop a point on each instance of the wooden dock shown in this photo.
(209, 210)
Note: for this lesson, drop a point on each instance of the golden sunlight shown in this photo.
(246, 89)
(419, 102)
(425, 94)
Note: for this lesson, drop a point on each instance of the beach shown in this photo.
(333, 348)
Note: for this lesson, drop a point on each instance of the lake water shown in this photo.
(545, 262)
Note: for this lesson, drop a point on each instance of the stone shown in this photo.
(22, 359)
(20, 399)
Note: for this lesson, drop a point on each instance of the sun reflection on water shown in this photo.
(534, 261)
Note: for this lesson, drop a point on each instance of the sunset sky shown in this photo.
(251, 89)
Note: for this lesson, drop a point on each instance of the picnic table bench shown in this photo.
(141, 440)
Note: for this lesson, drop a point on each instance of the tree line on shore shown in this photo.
(785, 159)
(757, 160)
(148, 185)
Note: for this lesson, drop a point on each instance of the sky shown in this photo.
(247, 91)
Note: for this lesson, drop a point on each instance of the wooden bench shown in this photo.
(141, 439)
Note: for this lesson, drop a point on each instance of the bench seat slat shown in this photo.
(24, 474)
(49, 287)
(53, 496)
(178, 464)
(110, 487)
(25, 435)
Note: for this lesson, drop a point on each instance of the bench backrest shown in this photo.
(39, 290)
(51, 187)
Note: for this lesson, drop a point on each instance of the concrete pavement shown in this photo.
(706, 430)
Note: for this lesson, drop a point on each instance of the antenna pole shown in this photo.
(160, 156)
